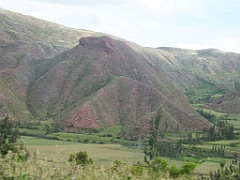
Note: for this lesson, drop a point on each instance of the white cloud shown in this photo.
(221, 43)
(153, 23)
(174, 7)
(227, 43)
(161, 6)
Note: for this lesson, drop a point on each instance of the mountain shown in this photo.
(206, 76)
(81, 79)
(211, 66)
(103, 82)
(189, 67)
(22, 39)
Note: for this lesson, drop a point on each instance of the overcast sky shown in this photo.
(193, 24)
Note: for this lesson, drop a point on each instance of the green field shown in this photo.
(100, 153)
(235, 123)
(59, 151)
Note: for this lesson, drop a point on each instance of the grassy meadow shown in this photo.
(106, 154)
(59, 151)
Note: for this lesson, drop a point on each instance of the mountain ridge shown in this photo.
(82, 79)
(101, 61)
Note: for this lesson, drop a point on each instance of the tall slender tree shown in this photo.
(151, 151)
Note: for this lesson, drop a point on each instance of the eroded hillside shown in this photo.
(22, 39)
(103, 81)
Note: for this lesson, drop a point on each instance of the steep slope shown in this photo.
(103, 82)
(23, 38)
(188, 67)
(204, 75)
(228, 102)
(213, 66)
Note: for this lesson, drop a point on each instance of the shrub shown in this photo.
(109, 135)
(137, 170)
(188, 167)
(80, 158)
(174, 171)
(8, 147)
(86, 141)
(158, 164)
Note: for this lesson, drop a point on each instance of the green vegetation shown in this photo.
(8, 136)
(185, 169)
(23, 166)
(103, 136)
(80, 158)
(224, 172)
(59, 151)
(205, 91)
(207, 155)
(53, 153)
(151, 151)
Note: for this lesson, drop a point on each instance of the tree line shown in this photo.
(221, 131)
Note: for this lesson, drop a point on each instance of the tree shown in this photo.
(8, 135)
(151, 151)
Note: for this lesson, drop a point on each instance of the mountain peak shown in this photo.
(105, 43)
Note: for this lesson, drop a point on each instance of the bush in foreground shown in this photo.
(80, 158)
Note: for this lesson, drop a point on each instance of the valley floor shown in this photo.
(59, 151)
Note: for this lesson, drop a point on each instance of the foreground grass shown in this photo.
(16, 166)
(25, 165)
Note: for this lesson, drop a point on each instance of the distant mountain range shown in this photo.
(86, 80)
